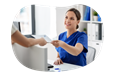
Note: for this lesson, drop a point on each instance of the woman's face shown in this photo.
(71, 20)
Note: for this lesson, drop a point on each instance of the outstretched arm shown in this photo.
(26, 42)
(74, 50)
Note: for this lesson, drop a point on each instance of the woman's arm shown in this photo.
(58, 55)
(58, 61)
(74, 50)
(26, 42)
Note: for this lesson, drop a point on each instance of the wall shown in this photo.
(45, 18)
(60, 16)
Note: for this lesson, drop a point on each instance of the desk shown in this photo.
(64, 66)
(75, 68)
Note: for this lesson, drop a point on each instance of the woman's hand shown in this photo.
(57, 43)
(58, 61)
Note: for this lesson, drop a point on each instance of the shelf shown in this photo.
(97, 40)
(96, 21)
(85, 21)
(91, 21)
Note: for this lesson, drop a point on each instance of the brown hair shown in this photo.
(77, 13)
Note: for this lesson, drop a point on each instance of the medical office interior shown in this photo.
(49, 21)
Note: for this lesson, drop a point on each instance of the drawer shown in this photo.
(97, 46)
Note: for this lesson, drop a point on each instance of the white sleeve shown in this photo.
(13, 30)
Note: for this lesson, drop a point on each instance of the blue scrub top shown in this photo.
(76, 37)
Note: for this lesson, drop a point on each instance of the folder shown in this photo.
(96, 32)
(99, 18)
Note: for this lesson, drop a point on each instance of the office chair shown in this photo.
(90, 54)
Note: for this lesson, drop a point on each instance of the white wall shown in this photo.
(60, 16)
(45, 18)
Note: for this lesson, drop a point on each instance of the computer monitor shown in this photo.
(17, 24)
(34, 57)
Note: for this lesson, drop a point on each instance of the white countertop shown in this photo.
(69, 67)
(63, 67)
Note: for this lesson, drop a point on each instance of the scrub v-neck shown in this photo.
(70, 35)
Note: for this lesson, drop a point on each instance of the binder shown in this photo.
(99, 18)
(89, 31)
(96, 32)
(87, 14)
(93, 32)
(82, 10)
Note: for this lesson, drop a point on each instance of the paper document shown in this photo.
(45, 37)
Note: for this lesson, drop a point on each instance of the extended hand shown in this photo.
(57, 43)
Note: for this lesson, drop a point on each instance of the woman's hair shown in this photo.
(77, 13)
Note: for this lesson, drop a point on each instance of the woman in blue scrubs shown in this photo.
(71, 45)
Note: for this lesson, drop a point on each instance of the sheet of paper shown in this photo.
(47, 38)
(43, 36)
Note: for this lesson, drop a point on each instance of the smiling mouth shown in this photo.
(68, 24)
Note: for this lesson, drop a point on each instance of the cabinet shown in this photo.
(97, 45)
(95, 31)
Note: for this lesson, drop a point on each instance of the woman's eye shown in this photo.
(72, 19)
(66, 17)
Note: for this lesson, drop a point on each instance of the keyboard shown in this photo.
(50, 66)
(29, 36)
